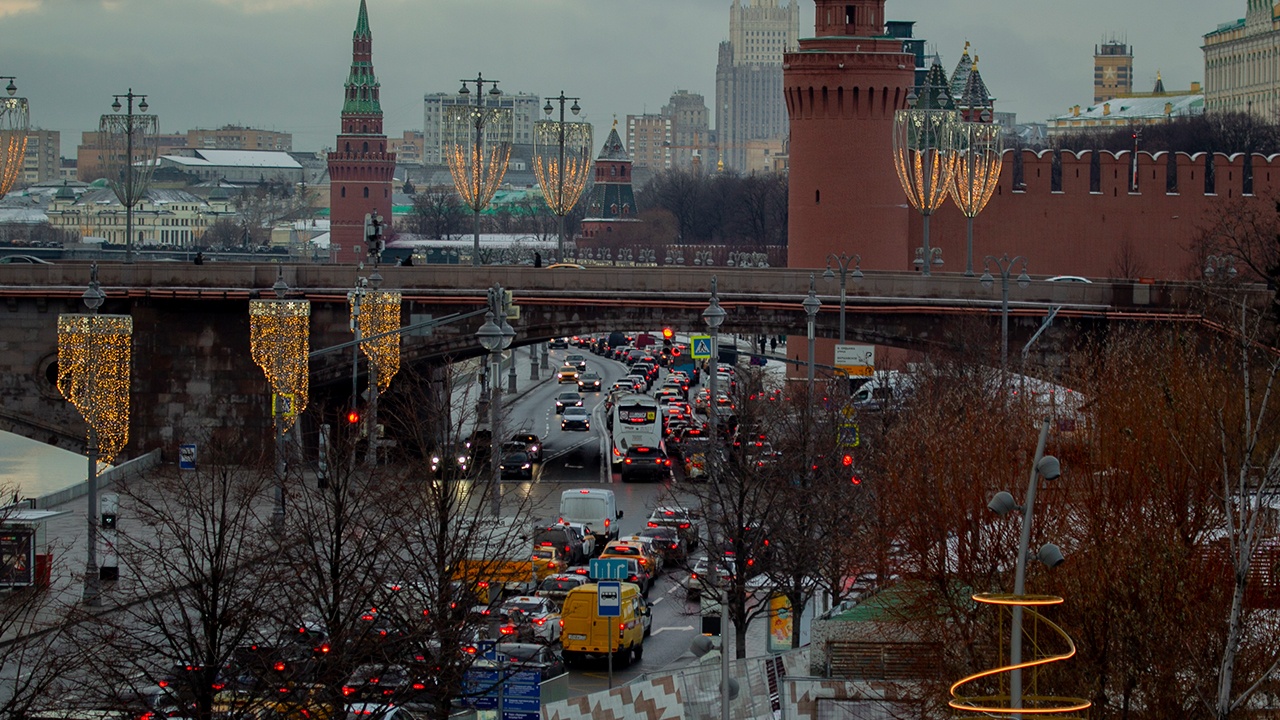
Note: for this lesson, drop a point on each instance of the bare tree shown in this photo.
(195, 547)
(437, 214)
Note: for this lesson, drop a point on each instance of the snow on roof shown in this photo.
(236, 158)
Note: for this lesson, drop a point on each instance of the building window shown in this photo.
(366, 191)
(343, 192)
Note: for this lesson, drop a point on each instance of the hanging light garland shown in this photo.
(976, 173)
(14, 125)
(477, 175)
(94, 357)
(379, 313)
(279, 342)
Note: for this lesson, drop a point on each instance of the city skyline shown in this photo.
(279, 64)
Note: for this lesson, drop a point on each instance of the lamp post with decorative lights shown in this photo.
(129, 146)
(563, 174)
(495, 335)
(94, 356)
(977, 173)
(476, 153)
(15, 122)
(923, 144)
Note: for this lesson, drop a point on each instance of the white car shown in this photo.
(542, 612)
(584, 533)
(1069, 279)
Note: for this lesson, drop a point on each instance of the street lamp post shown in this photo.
(714, 316)
(129, 183)
(1004, 265)
(562, 182)
(811, 307)
(1222, 267)
(842, 261)
(15, 122)
(93, 298)
(1045, 466)
(495, 335)
(477, 175)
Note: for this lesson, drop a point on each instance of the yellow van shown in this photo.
(587, 634)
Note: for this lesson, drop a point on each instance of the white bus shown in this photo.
(637, 422)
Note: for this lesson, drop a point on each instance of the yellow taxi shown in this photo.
(569, 374)
(634, 550)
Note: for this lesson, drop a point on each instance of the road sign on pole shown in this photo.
(700, 347)
(609, 599)
(187, 456)
(856, 360)
(609, 569)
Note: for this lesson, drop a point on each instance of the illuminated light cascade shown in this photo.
(924, 140)
(976, 173)
(279, 343)
(15, 122)
(990, 693)
(94, 357)
(379, 313)
(562, 186)
(477, 147)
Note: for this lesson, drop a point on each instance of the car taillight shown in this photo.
(653, 524)
(684, 526)
(675, 546)
(551, 566)
(324, 648)
(507, 630)
(278, 667)
(540, 622)
(163, 683)
(628, 461)
(347, 690)
(606, 523)
(419, 686)
(219, 686)
(562, 623)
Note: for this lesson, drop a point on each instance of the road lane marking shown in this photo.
(655, 602)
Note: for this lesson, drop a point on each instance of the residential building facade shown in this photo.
(690, 130)
(749, 82)
(236, 137)
(43, 157)
(649, 140)
(526, 110)
(1242, 64)
(173, 218)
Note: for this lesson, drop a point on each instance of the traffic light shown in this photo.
(675, 351)
(353, 417)
(847, 460)
(667, 333)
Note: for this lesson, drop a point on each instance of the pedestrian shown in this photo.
(537, 259)
(199, 258)
(773, 344)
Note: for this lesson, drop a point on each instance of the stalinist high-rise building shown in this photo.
(749, 92)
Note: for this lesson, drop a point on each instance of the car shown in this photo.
(532, 444)
(548, 560)
(575, 418)
(557, 587)
(546, 661)
(377, 683)
(698, 580)
(565, 266)
(651, 548)
(589, 382)
(564, 538)
(577, 360)
(567, 399)
(637, 550)
(641, 381)
(669, 543)
(585, 534)
(511, 626)
(568, 373)
(558, 342)
(1069, 278)
(645, 462)
(23, 260)
(543, 613)
(517, 464)
(379, 711)
(678, 517)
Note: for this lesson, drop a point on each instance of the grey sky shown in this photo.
(280, 64)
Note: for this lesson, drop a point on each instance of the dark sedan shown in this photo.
(517, 465)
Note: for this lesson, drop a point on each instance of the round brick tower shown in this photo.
(842, 89)
(360, 168)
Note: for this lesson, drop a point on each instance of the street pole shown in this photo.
(1020, 577)
(93, 299)
(842, 261)
(811, 306)
(1004, 264)
(714, 316)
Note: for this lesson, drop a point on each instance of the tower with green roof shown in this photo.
(361, 169)
(612, 200)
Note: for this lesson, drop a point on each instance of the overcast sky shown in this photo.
(280, 64)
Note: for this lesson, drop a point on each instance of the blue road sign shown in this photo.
(187, 456)
(609, 569)
(700, 347)
(609, 599)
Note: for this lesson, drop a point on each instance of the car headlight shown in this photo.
(525, 466)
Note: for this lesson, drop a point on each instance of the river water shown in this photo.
(32, 469)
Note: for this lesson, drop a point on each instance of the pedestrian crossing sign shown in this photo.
(700, 347)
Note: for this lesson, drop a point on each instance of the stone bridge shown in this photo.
(192, 367)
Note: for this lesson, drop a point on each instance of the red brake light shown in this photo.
(278, 667)
(507, 630)
(684, 526)
(347, 691)
(419, 686)
(584, 492)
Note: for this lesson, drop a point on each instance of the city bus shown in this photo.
(637, 422)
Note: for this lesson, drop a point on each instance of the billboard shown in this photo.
(17, 557)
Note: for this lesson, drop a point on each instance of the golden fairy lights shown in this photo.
(94, 355)
(14, 124)
(1036, 702)
(562, 184)
(977, 166)
(279, 342)
(923, 143)
(476, 154)
(380, 313)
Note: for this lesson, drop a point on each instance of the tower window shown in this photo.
(366, 191)
(342, 192)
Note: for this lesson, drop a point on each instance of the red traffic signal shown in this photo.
(856, 480)
(675, 352)
(847, 460)
(667, 333)
(353, 417)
